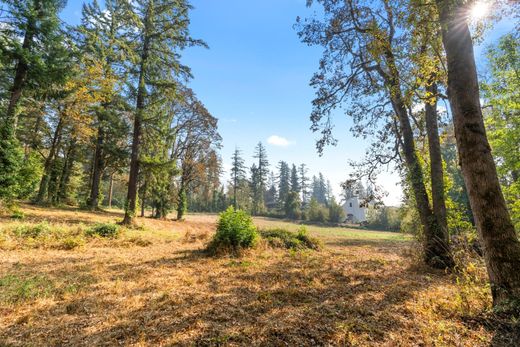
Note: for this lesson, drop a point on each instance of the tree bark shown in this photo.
(181, 206)
(143, 199)
(436, 249)
(66, 171)
(22, 68)
(110, 190)
(44, 183)
(436, 170)
(497, 234)
(131, 200)
(97, 171)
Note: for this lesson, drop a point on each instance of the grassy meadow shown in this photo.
(154, 286)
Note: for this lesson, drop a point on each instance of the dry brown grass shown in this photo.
(361, 290)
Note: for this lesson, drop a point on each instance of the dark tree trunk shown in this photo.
(131, 203)
(22, 68)
(97, 170)
(436, 249)
(110, 190)
(181, 206)
(497, 234)
(235, 205)
(44, 183)
(436, 170)
(66, 172)
(143, 199)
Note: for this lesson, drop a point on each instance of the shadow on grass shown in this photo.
(301, 300)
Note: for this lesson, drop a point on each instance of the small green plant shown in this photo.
(14, 289)
(104, 230)
(281, 238)
(17, 214)
(32, 230)
(235, 231)
(72, 242)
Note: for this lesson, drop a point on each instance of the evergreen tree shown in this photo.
(261, 176)
(32, 57)
(295, 180)
(304, 183)
(292, 206)
(238, 173)
(105, 43)
(162, 32)
(284, 184)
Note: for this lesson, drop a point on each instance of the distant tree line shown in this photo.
(287, 191)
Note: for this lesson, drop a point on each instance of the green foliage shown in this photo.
(72, 242)
(182, 206)
(410, 222)
(282, 238)
(292, 205)
(107, 230)
(17, 214)
(235, 231)
(33, 230)
(384, 218)
(11, 156)
(14, 289)
(336, 212)
(29, 175)
(502, 119)
(317, 212)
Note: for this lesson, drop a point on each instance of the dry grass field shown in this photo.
(153, 286)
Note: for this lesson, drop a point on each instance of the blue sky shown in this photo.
(255, 80)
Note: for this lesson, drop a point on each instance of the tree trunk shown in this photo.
(22, 68)
(143, 199)
(181, 206)
(97, 171)
(66, 172)
(436, 249)
(110, 190)
(44, 183)
(131, 200)
(235, 205)
(496, 231)
(436, 170)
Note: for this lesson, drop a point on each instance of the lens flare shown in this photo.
(479, 10)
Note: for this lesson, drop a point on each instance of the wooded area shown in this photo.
(99, 119)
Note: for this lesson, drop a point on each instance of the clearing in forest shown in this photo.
(154, 286)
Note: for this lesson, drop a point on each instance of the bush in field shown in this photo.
(336, 212)
(317, 212)
(235, 231)
(104, 230)
(71, 242)
(281, 238)
(32, 230)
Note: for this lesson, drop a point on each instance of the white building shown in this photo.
(353, 211)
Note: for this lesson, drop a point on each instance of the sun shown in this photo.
(479, 10)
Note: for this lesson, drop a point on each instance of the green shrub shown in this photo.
(17, 214)
(104, 230)
(71, 242)
(235, 231)
(281, 238)
(317, 212)
(336, 212)
(30, 230)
